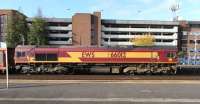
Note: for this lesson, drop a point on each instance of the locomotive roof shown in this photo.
(119, 48)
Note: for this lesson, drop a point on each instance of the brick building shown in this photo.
(4, 17)
(190, 41)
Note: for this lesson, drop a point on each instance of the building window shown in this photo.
(105, 39)
(184, 41)
(168, 27)
(119, 40)
(168, 34)
(169, 40)
(195, 25)
(155, 26)
(195, 33)
(184, 48)
(58, 39)
(158, 40)
(192, 41)
(184, 32)
(191, 50)
(117, 33)
(156, 34)
(59, 31)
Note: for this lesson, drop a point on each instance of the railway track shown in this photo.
(103, 77)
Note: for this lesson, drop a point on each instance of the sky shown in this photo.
(111, 9)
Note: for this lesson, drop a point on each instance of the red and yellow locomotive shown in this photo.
(117, 60)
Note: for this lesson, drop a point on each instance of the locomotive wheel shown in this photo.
(70, 71)
(130, 72)
(24, 71)
(172, 72)
(148, 72)
(164, 72)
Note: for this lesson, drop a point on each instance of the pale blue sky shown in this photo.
(112, 9)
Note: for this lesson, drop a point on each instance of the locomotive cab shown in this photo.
(171, 56)
(22, 54)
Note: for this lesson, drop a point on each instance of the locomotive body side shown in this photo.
(71, 56)
(100, 55)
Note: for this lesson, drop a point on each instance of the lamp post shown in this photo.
(4, 45)
(7, 78)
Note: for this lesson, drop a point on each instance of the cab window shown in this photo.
(170, 55)
(21, 54)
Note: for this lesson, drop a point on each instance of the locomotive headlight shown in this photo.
(32, 59)
(169, 59)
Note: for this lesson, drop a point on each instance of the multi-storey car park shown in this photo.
(119, 32)
(113, 32)
(59, 30)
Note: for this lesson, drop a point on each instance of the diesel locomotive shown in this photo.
(34, 59)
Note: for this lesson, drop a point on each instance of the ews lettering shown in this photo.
(87, 54)
(118, 54)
